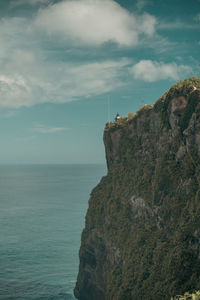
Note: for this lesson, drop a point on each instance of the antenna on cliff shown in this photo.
(108, 108)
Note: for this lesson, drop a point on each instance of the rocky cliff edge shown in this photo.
(142, 232)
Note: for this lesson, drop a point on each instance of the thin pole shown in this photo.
(108, 108)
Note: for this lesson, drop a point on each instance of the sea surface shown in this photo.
(42, 214)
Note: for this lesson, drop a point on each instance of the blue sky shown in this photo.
(61, 60)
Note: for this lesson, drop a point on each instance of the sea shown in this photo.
(42, 215)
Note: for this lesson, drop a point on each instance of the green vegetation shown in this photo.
(123, 121)
(188, 296)
(118, 124)
(182, 88)
(185, 86)
(131, 115)
(144, 109)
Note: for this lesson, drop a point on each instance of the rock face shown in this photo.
(142, 233)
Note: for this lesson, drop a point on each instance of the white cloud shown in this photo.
(94, 22)
(147, 24)
(5, 114)
(151, 71)
(40, 128)
(28, 2)
(25, 138)
(30, 75)
(14, 91)
(41, 82)
(92, 78)
(142, 3)
(177, 24)
(27, 77)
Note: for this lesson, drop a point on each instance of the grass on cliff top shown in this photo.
(189, 82)
(123, 121)
(181, 88)
(187, 296)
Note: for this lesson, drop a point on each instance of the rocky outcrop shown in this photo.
(142, 233)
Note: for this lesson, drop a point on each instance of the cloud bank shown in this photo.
(37, 60)
(95, 22)
(29, 76)
(150, 71)
(28, 2)
(40, 128)
(140, 4)
(28, 81)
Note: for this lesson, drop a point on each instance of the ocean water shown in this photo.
(42, 212)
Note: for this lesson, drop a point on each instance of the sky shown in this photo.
(60, 62)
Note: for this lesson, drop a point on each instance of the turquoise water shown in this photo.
(42, 211)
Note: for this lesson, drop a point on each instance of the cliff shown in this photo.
(142, 233)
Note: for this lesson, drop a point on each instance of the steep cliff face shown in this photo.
(142, 234)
